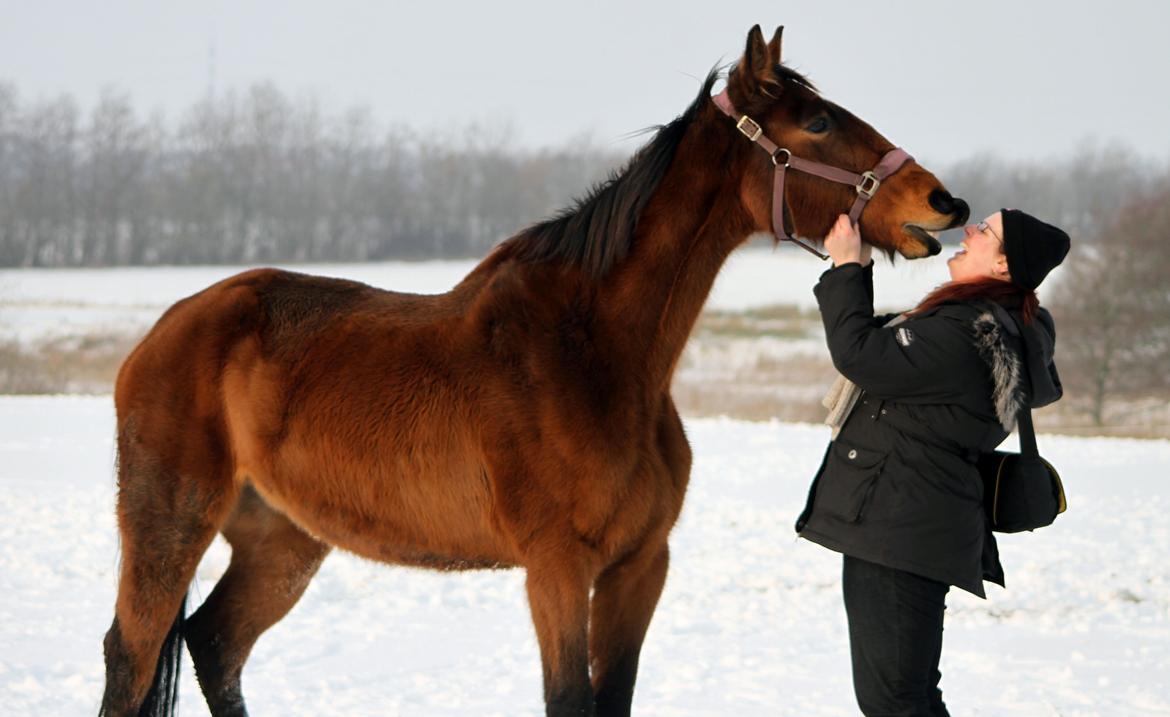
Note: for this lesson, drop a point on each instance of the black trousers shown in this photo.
(895, 637)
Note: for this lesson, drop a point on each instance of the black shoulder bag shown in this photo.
(1021, 491)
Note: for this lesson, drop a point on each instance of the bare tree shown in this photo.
(44, 183)
(115, 159)
(1113, 308)
(10, 253)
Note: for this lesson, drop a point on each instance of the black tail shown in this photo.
(163, 698)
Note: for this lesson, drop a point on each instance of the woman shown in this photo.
(898, 492)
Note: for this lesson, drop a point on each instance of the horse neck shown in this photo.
(688, 229)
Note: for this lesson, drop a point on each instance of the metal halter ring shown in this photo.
(868, 185)
(787, 158)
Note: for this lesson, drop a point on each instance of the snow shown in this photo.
(750, 622)
(36, 304)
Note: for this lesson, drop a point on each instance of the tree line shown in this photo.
(258, 177)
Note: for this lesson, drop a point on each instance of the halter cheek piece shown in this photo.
(866, 183)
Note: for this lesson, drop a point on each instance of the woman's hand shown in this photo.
(844, 243)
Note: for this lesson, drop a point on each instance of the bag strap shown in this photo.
(1027, 434)
(1028, 445)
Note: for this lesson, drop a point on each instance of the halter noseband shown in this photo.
(866, 183)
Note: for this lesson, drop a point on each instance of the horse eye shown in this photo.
(818, 126)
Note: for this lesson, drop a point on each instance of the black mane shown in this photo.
(597, 231)
(787, 74)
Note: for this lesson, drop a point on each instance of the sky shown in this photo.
(1029, 79)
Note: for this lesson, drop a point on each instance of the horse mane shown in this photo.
(787, 74)
(598, 230)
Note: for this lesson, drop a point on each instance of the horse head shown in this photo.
(903, 217)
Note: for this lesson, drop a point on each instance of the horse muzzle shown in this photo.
(942, 202)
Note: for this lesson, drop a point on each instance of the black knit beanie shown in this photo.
(1033, 247)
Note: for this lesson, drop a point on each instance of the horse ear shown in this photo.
(755, 73)
(756, 55)
(774, 45)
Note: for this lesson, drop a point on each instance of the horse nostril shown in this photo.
(962, 212)
(941, 201)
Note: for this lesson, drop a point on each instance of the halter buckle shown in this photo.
(787, 157)
(868, 185)
(749, 127)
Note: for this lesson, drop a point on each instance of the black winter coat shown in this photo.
(898, 486)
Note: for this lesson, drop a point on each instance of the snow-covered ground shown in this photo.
(44, 303)
(750, 622)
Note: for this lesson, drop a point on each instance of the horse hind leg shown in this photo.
(272, 563)
(166, 520)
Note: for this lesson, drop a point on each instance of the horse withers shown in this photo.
(522, 419)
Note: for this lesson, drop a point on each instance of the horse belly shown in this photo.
(423, 505)
(393, 475)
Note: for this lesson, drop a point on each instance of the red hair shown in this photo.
(1001, 292)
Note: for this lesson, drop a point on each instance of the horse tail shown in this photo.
(163, 697)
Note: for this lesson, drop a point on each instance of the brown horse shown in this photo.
(522, 419)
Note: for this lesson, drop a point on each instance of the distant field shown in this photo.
(39, 302)
(68, 329)
(757, 352)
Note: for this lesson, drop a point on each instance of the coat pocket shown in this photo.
(850, 476)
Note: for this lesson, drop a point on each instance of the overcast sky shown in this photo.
(1029, 78)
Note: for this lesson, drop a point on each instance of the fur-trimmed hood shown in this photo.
(1020, 359)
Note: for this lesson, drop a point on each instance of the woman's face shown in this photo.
(981, 254)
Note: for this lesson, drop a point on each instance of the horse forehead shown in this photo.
(841, 113)
(856, 126)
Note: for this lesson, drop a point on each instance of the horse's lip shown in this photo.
(918, 230)
(928, 237)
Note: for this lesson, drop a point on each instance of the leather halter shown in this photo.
(866, 183)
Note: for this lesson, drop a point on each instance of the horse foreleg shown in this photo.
(272, 563)
(624, 598)
(558, 594)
